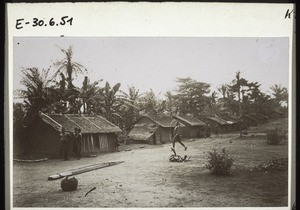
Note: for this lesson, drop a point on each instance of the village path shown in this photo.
(148, 179)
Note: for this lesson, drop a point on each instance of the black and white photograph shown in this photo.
(150, 121)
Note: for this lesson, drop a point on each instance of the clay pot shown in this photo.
(69, 184)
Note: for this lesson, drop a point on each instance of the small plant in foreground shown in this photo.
(219, 163)
(276, 136)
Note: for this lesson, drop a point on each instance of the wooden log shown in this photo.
(31, 161)
(83, 169)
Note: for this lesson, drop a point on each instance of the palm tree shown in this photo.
(68, 66)
(37, 93)
(223, 90)
(130, 108)
(87, 94)
(213, 103)
(108, 103)
(237, 87)
(280, 93)
(150, 103)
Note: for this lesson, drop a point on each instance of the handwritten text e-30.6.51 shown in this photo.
(65, 20)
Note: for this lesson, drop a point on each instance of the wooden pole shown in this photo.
(83, 169)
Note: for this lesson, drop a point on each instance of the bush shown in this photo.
(219, 163)
(276, 136)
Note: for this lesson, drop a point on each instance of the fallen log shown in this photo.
(31, 161)
(83, 169)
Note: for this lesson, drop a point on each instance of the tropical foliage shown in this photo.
(57, 93)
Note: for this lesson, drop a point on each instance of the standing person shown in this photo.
(74, 142)
(117, 143)
(177, 137)
(207, 131)
(78, 139)
(217, 130)
(78, 142)
(64, 144)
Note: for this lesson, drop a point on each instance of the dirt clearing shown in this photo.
(148, 179)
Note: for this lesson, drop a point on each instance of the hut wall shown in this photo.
(202, 131)
(185, 132)
(112, 138)
(236, 126)
(42, 139)
(195, 131)
(152, 140)
(103, 142)
(213, 127)
(163, 135)
(158, 136)
(190, 131)
(249, 122)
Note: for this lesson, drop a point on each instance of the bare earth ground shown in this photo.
(148, 179)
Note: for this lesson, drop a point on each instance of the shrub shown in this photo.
(275, 136)
(219, 163)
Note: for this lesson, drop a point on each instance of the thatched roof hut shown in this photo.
(99, 134)
(160, 126)
(194, 128)
(217, 124)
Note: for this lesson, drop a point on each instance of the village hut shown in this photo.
(249, 120)
(260, 119)
(233, 121)
(98, 134)
(152, 129)
(276, 114)
(194, 128)
(216, 124)
(143, 133)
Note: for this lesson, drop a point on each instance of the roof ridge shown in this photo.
(147, 115)
(92, 122)
(73, 121)
(44, 115)
(107, 121)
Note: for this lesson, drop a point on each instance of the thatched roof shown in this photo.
(257, 117)
(87, 123)
(162, 120)
(142, 132)
(189, 120)
(249, 117)
(263, 116)
(218, 120)
(229, 119)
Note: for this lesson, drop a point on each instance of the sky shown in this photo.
(155, 62)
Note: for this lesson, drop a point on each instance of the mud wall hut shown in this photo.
(217, 125)
(249, 120)
(194, 128)
(259, 118)
(152, 129)
(276, 114)
(98, 134)
(233, 122)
